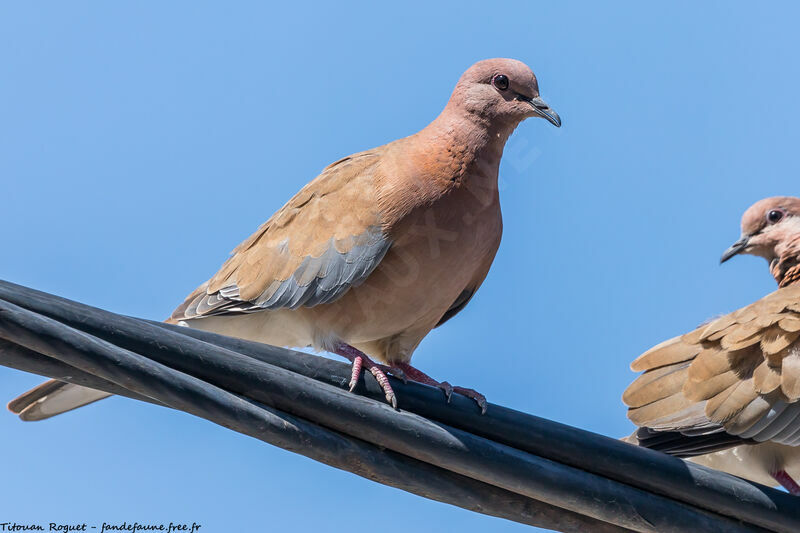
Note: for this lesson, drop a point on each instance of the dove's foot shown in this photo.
(361, 360)
(786, 481)
(421, 377)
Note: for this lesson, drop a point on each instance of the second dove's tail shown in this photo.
(52, 398)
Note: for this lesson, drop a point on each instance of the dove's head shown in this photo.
(501, 89)
(770, 229)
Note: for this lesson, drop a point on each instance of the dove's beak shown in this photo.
(541, 108)
(735, 248)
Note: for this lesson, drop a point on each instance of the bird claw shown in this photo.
(383, 381)
(360, 362)
(447, 389)
(419, 376)
(479, 398)
(404, 372)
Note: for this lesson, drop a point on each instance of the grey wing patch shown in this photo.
(781, 424)
(461, 302)
(316, 281)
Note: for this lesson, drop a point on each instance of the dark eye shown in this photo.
(775, 216)
(500, 81)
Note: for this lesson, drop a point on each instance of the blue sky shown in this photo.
(139, 143)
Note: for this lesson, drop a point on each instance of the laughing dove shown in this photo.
(379, 249)
(726, 394)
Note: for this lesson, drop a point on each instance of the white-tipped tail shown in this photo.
(52, 398)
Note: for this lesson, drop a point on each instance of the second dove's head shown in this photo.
(768, 226)
(502, 89)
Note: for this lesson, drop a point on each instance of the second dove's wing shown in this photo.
(738, 375)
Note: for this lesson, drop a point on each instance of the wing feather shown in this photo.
(739, 374)
(324, 241)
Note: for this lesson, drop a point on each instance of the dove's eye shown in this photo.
(775, 216)
(500, 81)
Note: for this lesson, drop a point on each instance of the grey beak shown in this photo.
(543, 110)
(735, 248)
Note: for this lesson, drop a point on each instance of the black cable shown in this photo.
(406, 433)
(686, 482)
(99, 363)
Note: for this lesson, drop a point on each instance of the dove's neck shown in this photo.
(785, 268)
(468, 141)
(453, 154)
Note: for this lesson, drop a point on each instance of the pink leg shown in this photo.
(359, 360)
(786, 481)
(421, 377)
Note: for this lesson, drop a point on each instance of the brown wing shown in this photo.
(739, 374)
(325, 240)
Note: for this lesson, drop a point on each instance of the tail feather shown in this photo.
(55, 397)
(52, 398)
